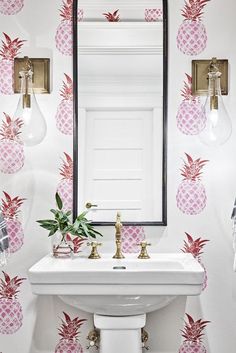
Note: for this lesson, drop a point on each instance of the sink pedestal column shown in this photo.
(120, 333)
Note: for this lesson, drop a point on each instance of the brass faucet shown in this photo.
(94, 252)
(118, 226)
(143, 253)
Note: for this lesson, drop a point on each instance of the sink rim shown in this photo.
(49, 266)
(63, 277)
(59, 273)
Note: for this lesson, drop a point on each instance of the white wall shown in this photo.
(38, 179)
(37, 182)
(217, 303)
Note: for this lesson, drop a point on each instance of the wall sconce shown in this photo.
(30, 76)
(210, 78)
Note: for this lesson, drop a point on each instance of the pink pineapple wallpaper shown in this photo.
(131, 236)
(65, 186)
(152, 15)
(11, 208)
(11, 7)
(193, 334)
(15, 161)
(76, 243)
(112, 16)
(191, 116)
(69, 332)
(64, 115)
(11, 315)
(80, 15)
(12, 155)
(195, 247)
(30, 177)
(63, 36)
(191, 194)
(10, 48)
(192, 36)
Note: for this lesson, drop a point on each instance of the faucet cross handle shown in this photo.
(94, 252)
(143, 253)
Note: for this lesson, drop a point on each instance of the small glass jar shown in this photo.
(60, 247)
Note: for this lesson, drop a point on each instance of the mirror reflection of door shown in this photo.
(120, 105)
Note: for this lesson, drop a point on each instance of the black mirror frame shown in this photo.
(163, 222)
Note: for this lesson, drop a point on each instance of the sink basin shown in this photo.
(118, 287)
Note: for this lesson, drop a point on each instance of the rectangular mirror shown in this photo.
(120, 110)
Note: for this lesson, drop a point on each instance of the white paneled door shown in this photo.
(118, 168)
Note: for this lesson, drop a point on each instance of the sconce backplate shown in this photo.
(200, 69)
(41, 76)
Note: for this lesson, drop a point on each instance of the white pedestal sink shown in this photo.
(118, 292)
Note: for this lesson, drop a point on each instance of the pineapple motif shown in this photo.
(112, 17)
(64, 31)
(64, 116)
(64, 42)
(9, 50)
(191, 195)
(10, 210)
(80, 15)
(75, 243)
(69, 331)
(192, 334)
(10, 309)
(192, 36)
(131, 236)
(152, 15)
(11, 7)
(11, 149)
(65, 187)
(191, 116)
(195, 247)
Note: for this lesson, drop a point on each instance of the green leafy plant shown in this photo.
(81, 227)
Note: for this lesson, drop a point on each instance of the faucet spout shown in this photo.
(118, 226)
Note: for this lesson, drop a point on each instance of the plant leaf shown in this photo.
(44, 221)
(53, 231)
(82, 215)
(59, 201)
(48, 227)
